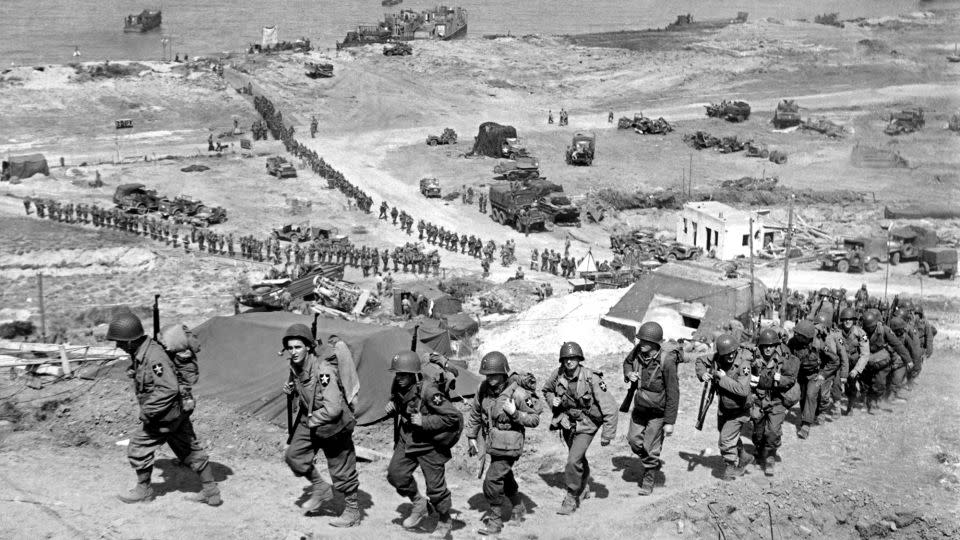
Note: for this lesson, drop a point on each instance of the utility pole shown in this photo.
(786, 263)
(751, 268)
(43, 313)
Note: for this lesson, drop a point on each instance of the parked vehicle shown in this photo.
(136, 198)
(280, 167)
(863, 254)
(430, 188)
(582, 149)
(516, 207)
(448, 136)
(939, 260)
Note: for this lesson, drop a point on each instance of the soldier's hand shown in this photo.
(509, 406)
(754, 380)
(604, 442)
(416, 419)
(853, 374)
(131, 372)
(633, 376)
(719, 374)
(556, 402)
(472, 449)
(820, 378)
(668, 429)
(776, 376)
(390, 408)
(288, 388)
(312, 422)
(909, 365)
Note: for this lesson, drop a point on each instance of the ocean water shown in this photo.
(48, 31)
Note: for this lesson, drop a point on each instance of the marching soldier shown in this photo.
(774, 383)
(505, 405)
(653, 368)
(428, 427)
(857, 345)
(161, 411)
(817, 366)
(902, 365)
(730, 368)
(883, 345)
(325, 423)
(581, 406)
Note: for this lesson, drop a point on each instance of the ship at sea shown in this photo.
(441, 23)
(144, 22)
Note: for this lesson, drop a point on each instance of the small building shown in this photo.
(722, 231)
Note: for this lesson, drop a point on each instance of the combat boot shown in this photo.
(444, 526)
(142, 492)
(804, 431)
(646, 485)
(320, 493)
(770, 466)
(492, 522)
(519, 511)
(745, 460)
(351, 512)
(419, 511)
(730, 471)
(569, 505)
(210, 493)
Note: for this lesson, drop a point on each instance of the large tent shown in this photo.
(425, 300)
(24, 166)
(489, 141)
(239, 363)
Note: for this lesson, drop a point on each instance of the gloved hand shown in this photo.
(633, 376)
(668, 429)
(719, 374)
(390, 408)
(555, 402)
(776, 376)
(509, 406)
(472, 449)
(909, 365)
(754, 381)
(416, 419)
(820, 378)
(288, 388)
(312, 421)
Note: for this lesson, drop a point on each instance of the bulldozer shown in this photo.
(905, 121)
(731, 111)
(522, 168)
(787, 114)
(448, 136)
(582, 149)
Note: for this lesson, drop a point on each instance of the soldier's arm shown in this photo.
(829, 359)
(897, 345)
(331, 406)
(629, 366)
(930, 332)
(164, 392)
(913, 344)
(608, 408)
(733, 386)
(703, 365)
(788, 373)
(672, 389)
(440, 414)
(550, 388)
(475, 418)
(864, 352)
(529, 417)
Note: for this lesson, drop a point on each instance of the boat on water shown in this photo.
(686, 22)
(144, 22)
(441, 23)
(390, 2)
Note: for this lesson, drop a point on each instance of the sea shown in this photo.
(53, 31)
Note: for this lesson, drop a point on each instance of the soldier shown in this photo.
(545, 260)
(774, 383)
(313, 126)
(860, 299)
(817, 364)
(581, 406)
(610, 118)
(463, 244)
(26, 205)
(902, 365)
(855, 341)
(485, 264)
(550, 116)
(201, 238)
(883, 345)
(428, 426)
(383, 210)
(385, 256)
(653, 368)
(534, 257)
(164, 421)
(833, 344)
(505, 405)
(730, 368)
(925, 333)
(325, 422)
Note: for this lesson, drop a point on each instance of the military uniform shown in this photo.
(817, 365)
(857, 345)
(655, 403)
(325, 424)
(734, 399)
(772, 398)
(883, 345)
(585, 407)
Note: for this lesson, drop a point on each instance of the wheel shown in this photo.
(843, 266)
(908, 251)
(895, 258)
(765, 154)
(872, 265)
(294, 237)
(432, 142)
(924, 268)
(141, 208)
(535, 174)
(672, 257)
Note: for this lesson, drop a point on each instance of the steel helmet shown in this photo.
(768, 336)
(824, 292)
(806, 329)
(848, 314)
(918, 310)
(125, 326)
(405, 362)
(298, 331)
(871, 318)
(896, 324)
(820, 318)
(650, 332)
(494, 363)
(570, 349)
(727, 344)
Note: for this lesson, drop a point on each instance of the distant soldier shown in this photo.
(26, 205)
(550, 116)
(394, 213)
(610, 118)
(313, 126)
(485, 264)
(534, 257)
(858, 352)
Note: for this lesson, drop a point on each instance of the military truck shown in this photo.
(905, 121)
(179, 206)
(209, 215)
(908, 241)
(555, 205)
(522, 168)
(939, 260)
(862, 253)
(731, 111)
(280, 167)
(136, 198)
(319, 70)
(430, 188)
(448, 136)
(756, 149)
(787, 114)
(582, 149)
(516, 207)
(398, 49)
(305, 232)
(512, 148)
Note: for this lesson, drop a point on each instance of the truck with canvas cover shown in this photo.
(905, 121)
(908, 241)
(787, 114)
(136, 198)
(863, 254)
(24, 167)
(514, 207)
(280, 167)
(555, 205)
(491, 138)
(448, 136)
(582, 149)
(939, 260)
(430, 188)
(522, 168)
(731, 111)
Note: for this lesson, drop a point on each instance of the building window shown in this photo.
(746, 239)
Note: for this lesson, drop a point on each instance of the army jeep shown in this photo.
(430, 188)
(280, 167)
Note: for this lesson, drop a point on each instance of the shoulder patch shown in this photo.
(602, 385)
(158, 369)
(437, 399)
(325, 379)
(529, 402)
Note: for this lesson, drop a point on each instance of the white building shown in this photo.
(721, 230)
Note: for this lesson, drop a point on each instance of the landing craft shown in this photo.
(144, 22)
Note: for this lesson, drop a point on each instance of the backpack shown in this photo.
(438, 370)
(181, 346)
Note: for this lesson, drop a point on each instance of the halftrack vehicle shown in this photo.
(136, 198)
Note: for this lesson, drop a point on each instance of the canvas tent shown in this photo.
(270, 36)
(425, 300)
(684, 299)
(587, 264)
(24, 166)
(240, 365)
(489, 141)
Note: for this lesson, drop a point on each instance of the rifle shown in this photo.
(706, 398)
(291, 427)
(625, 404)
(483, 456)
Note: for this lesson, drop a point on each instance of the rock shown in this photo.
(8, 315)
(551, 465)
(869, 529)
(904, 518)
(805, 531)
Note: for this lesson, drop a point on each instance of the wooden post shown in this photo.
(43, 313)
(786, 264)
(64, 361)
(751, 268)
